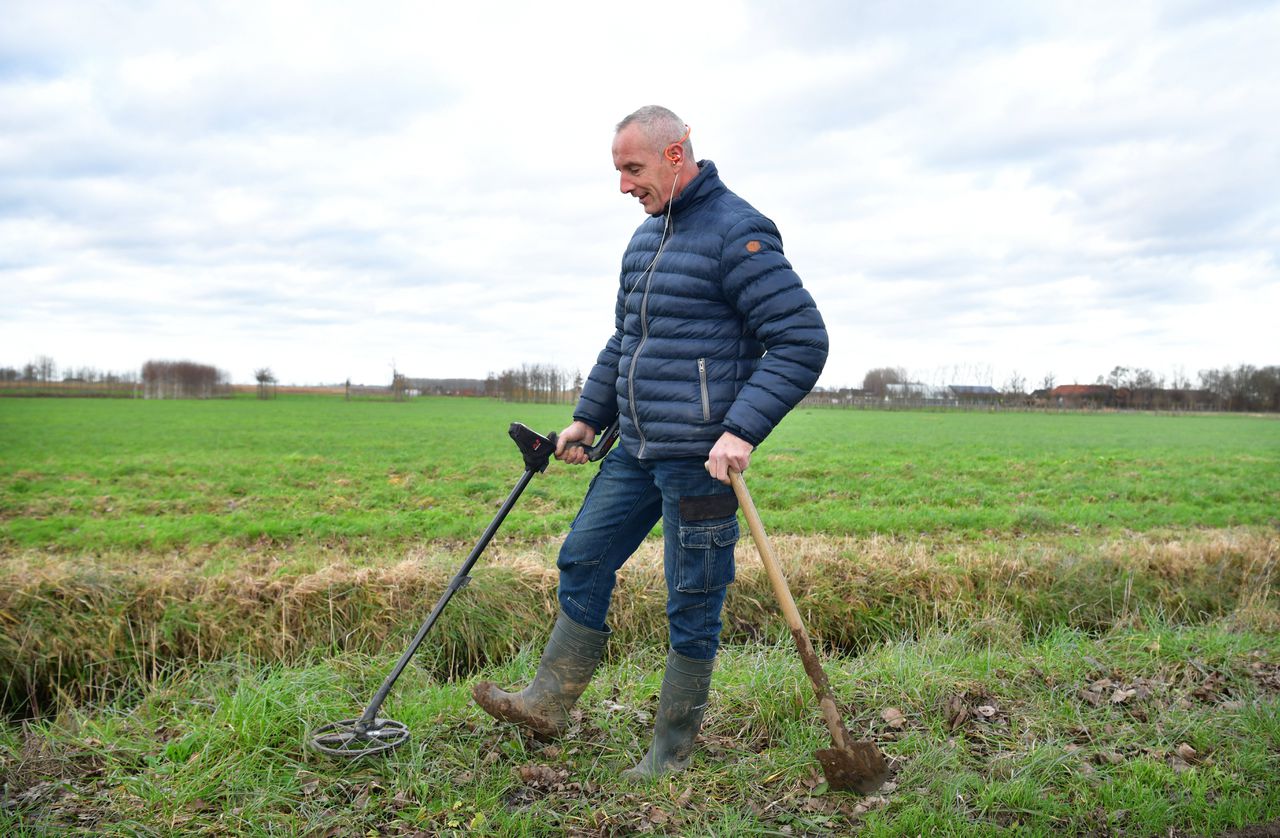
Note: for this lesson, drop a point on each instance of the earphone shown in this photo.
(670, 152)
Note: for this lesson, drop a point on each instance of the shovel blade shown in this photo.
(860, 767)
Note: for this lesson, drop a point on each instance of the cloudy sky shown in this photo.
(970, 191)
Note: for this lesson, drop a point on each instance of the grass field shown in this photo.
(98, 475)
(1073, 617)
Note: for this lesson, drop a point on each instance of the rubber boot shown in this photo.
(568, 662)
(681, 704)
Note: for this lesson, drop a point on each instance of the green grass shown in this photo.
(93, 475)
(160, 475)
(221, 750)
(187, 587)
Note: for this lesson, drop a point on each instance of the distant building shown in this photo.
(915, 391)
(1083, 395)
(444, 386)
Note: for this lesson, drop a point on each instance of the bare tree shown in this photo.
(41, 369)
(875, 381)
(266, 382)
(1016, 386)
(533, 383)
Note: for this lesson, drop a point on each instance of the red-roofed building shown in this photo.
(1085, 395)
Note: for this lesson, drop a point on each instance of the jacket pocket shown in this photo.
(705, 560)
(702, 386)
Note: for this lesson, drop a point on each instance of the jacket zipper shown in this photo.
(635, 360)
(702, 383)
(644, 338)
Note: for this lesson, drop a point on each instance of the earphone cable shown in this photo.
(662, 243)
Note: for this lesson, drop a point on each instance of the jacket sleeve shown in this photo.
(598, 404)
(776, 309)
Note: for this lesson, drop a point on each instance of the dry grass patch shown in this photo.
(89, 626)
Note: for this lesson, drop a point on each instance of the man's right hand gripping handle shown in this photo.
(577, 443)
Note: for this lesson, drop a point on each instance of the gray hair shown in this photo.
(660, 125)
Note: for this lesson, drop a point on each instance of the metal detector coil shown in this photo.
(371, 735)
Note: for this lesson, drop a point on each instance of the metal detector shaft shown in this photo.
(458, 582)
(369, 734)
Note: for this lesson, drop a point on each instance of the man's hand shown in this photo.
(566, 451)
(729, 452)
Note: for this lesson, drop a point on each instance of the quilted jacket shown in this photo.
(717, 335)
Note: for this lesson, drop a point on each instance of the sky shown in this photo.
(974, 193)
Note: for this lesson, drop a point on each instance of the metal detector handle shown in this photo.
(534, 447)
(603, 443)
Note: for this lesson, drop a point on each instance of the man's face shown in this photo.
(646, 174)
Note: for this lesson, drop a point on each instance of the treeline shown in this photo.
(156, 380)
(1244, 388)
(183, 380)
(535, 383)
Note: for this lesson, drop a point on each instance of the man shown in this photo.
(714, 342)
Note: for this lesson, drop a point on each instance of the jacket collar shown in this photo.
(703, 186)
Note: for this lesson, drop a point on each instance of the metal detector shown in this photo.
(369, 734)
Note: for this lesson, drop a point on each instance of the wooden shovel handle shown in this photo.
(821, 685)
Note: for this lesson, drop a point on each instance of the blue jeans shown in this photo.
(700, 527)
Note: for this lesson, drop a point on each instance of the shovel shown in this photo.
(848, 765)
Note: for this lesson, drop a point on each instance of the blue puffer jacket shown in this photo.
(720, 335)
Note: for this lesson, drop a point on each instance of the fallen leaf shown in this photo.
(540, 775)
(1188, 754)
(986, 711)
(1120, 696)
(893, 717)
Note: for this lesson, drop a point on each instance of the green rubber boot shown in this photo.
(570, 659)
(681, 704)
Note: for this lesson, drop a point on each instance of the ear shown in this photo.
(675, 151)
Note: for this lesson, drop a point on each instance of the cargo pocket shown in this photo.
(705, 561)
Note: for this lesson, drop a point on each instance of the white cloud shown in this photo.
(1051, 188)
